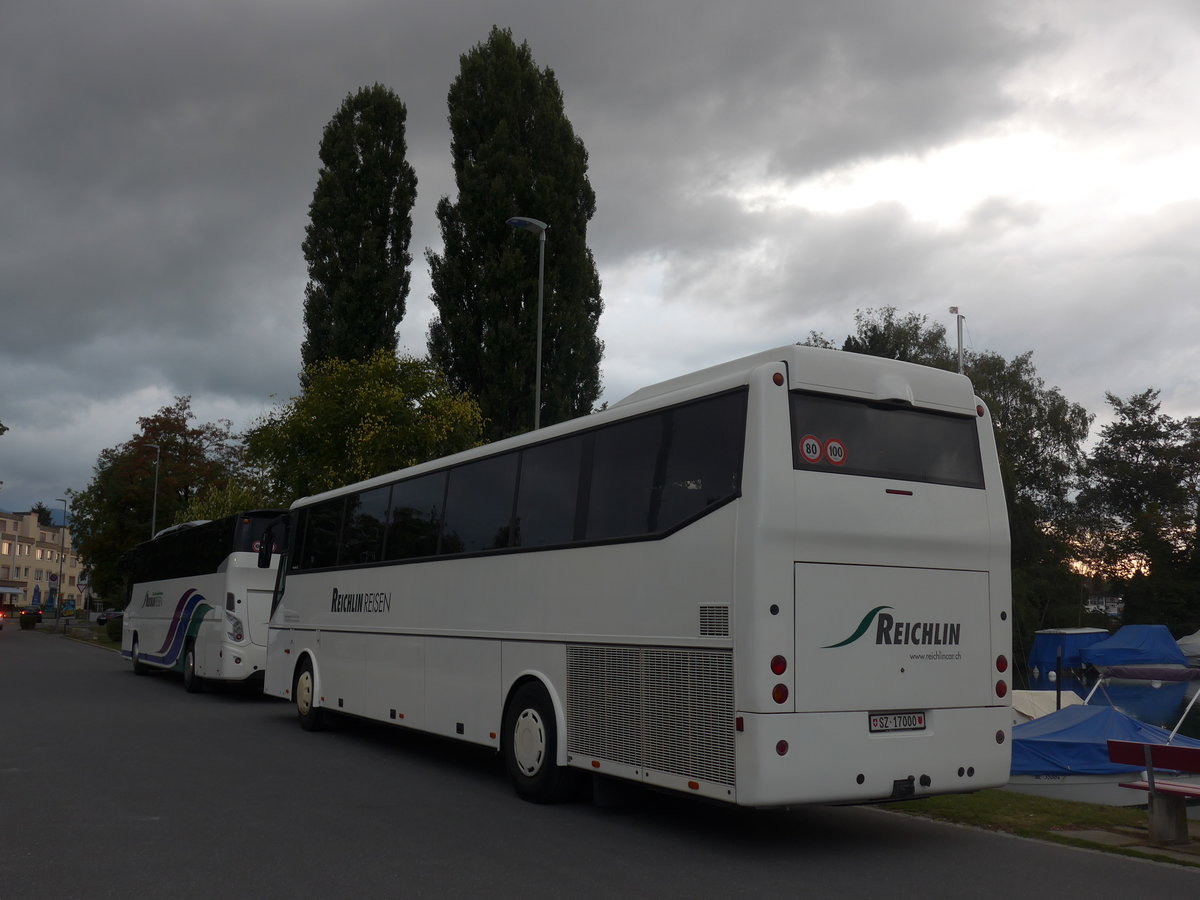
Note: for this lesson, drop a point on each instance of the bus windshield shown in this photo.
(853, 437)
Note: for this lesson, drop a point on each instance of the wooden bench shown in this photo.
(1168, 799)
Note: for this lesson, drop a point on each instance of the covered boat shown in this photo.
(1135, 645)
(1064, 754)
(1190, 646)
(1028, 705)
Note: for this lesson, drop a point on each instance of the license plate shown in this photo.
(905, 721)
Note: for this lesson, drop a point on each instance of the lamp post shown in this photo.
(62, 540)
(954, 312)
(538, 227)
(154, 504)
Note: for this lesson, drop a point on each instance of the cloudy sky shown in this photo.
(762, 170)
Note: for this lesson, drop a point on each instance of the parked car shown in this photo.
(109, 614)
(34, 613)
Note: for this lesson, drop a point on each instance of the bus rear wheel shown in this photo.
(139, 667)
(312, 717)
(192, 683)
(529, 744)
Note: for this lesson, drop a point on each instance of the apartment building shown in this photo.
(34, 560)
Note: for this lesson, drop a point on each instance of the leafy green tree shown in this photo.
(515, 153)
(114, 512)
(911, 338)
(235, 496)
(358, 419)
(1140, 506)
(1039, 441)
(360, 223)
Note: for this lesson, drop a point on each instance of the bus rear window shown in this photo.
(838, 434)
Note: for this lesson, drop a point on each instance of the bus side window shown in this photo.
(322, 534)
(479, 505)
(704, 464)
(415, 519)
(362, 536)
(622, 478)
(547, 494)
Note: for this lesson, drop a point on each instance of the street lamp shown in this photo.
(62, 538)
(538, 227)
(954, 312)
(154, 505)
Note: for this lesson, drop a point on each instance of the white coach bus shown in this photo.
(198, 600)
(780, 580)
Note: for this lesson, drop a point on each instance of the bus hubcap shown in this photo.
(529, 742)
(304, 693)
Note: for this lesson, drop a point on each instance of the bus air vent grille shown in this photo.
(660, 709)
(714, 621)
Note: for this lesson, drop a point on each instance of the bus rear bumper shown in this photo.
(834, 757)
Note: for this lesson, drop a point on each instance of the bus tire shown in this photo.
(304, 690)
(529, 744)
(192, 683)
(139, 667)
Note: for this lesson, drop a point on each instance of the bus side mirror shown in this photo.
(265, 546)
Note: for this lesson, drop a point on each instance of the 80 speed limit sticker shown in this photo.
(810, 448)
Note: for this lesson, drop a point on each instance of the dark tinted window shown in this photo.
(416, 517)
(362, 534)
(835, 434)
(703, 459)
(632, 479)
(548, 493)
(252, 526)
(625, 459)
(196, 549)
(479, 505)
(322, 531)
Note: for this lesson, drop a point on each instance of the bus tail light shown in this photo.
(779, 693)
(778, 665)
(1001, 688)
(1001, 663)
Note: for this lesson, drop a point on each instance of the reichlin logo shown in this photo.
(376, 602)
(889, 630)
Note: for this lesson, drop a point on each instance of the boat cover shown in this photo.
(1035, 704)
(1046, 644)
(1074, 741)
(1135, 645)
(1190, 646)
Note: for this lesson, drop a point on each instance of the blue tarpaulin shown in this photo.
(1074, 741)
(1135, 645)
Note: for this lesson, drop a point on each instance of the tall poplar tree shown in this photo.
(515, 154)
(360, 224)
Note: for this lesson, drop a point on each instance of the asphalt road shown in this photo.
(118, 786)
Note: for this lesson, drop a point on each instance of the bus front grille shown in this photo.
(661, 709)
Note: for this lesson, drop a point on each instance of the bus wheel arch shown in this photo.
(530, 739)
(304, 694)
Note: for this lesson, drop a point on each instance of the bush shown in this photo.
(113, 629)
